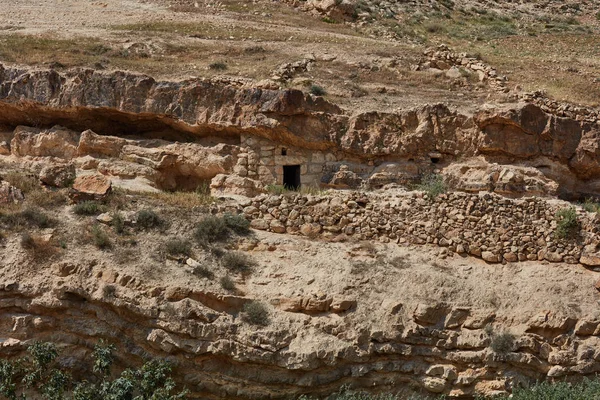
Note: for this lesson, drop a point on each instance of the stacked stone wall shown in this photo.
(488, 226)
(262, 159)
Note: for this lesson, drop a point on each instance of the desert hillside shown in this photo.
(296, 199)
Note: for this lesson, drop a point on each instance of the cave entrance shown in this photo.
(291, 177)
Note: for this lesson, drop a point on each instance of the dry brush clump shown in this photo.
(178, 247)
(256, 313)
(213, 228)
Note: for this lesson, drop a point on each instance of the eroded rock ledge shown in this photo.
(440, 347)
(522, 146)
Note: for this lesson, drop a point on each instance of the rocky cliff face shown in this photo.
(522, 147)
(380, 316)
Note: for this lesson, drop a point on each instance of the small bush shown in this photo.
(218, 66)
(40, 249)
(329, 20)
(211, 229)
(317, 90)
(237, 263)
(433, 185)
(237, 223)
(100, 238)
(591, 206)
(178, 247)
(24, 182)
(227, 283)
(27, 241)
(567, 224)
(88, 208)
(256, 313)
(118, 223)
(502, 343)
(35, 217)
(148, 219)
(203, 272)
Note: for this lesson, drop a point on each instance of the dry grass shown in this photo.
(550, 62)
(39, 248)
(186, 200)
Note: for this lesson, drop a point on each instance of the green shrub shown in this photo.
(178, 247)
(567, 224)
(227, 283)
(237, 223)
(211, 229)
(148, 219)
(100, 238)
(433, 185)
(317, 90)
(591, 206)
(238, 262)
(218, 66)
(255, 313)
(37, 218)
(118, 223)
(88, 208)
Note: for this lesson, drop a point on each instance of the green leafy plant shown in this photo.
(567, 224)
(38, 375)
(433, 185)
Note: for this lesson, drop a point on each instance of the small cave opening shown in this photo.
(434, 160)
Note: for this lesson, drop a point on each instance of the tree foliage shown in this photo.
(38, 375)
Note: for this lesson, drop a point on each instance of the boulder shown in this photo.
(55, 142)
(58, 175)
(90, 187)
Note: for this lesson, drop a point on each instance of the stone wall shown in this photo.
(262, 159)
(494, 228)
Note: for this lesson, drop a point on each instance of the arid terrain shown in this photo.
(284, 198)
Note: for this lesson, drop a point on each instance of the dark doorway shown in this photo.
(291, 177)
